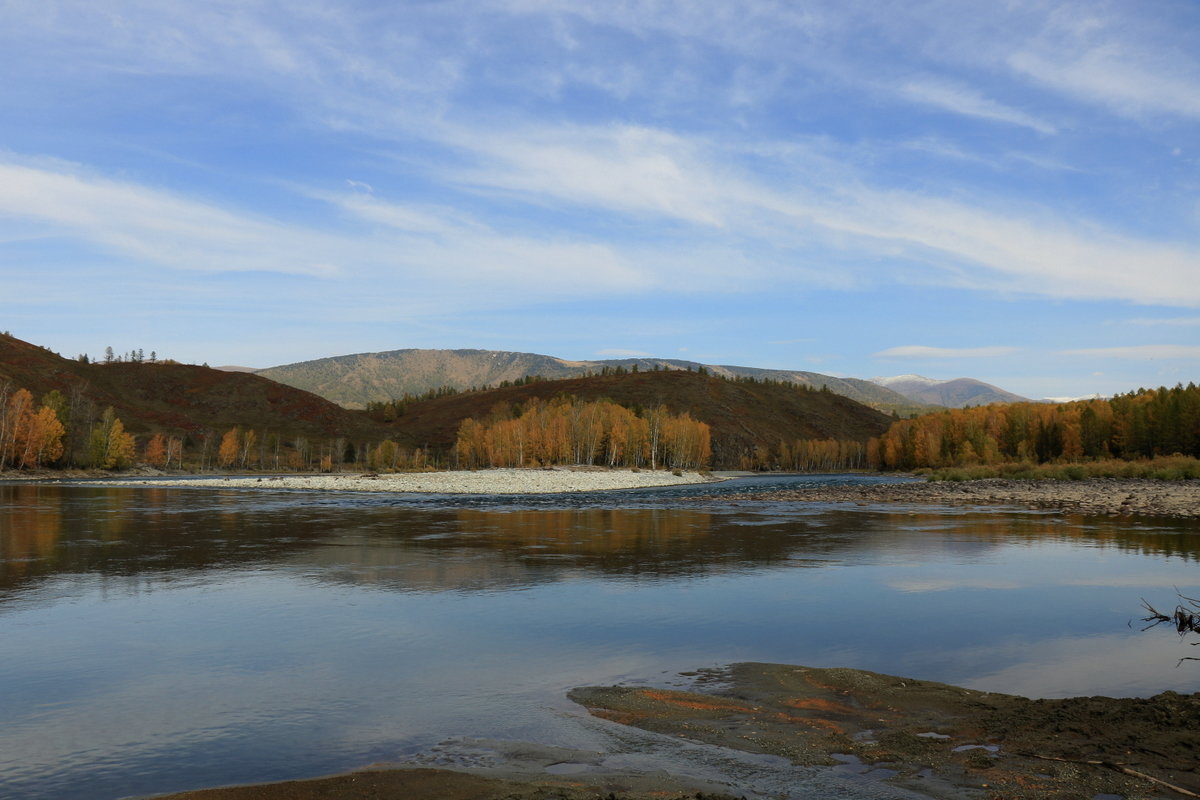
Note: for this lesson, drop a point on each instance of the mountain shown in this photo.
(177, 398)
(957, 393)
(356, 380)
(749, 417)
(744, 416)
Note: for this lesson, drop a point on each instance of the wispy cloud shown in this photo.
(618, 352)
(513, 153)
(964, 100)
(1123, 81)
(161, 227)
(815, 203)
(916, 351)
(1144, 351)
(1182, 322)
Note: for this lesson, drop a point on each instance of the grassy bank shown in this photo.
(1172, 468)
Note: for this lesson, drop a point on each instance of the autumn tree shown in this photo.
(156, 453)
(565, 431)
(230, 448)
(109, 446)
(1141, 424)
(30, 436)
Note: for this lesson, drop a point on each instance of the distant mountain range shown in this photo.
(956, 393)
(355, 380)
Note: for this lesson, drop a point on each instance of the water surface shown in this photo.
(157, 639)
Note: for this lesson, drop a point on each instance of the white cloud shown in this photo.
(625, 168)
(1168, 321)
(713, 210)
(915, 351)
(1144, 351)
(968, 102)
(1122, 81)
(814, 203)
(160, 227)
(419, 248)
(621, 353)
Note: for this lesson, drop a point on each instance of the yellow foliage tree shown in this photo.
(109, 446)
(231, 443)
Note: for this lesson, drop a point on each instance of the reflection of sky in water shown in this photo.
(171, 639)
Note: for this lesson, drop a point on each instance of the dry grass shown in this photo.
(1159, 468)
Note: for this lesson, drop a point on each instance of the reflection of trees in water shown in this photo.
(626, 541)
(1177, 539)
(469, 549)
(29, 532)
(47, 530)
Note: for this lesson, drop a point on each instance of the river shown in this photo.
(160, 639)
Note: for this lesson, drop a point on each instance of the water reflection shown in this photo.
(161, 639)
(49, 530)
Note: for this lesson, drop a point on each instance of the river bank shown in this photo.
(1109, 496)
(938, 740)
(931, 739)
(548, 480)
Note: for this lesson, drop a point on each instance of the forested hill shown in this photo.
(357, 380)
(176, 399)
(749, 419)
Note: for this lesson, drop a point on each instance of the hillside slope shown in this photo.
(743, 415)
(179, 398)
(356, 380)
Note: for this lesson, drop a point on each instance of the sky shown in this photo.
(1008, 191)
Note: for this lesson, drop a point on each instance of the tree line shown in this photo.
(1142, 424)
(59, 431)
(567, 431)
(808, 455)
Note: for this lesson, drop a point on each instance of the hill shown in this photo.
(356, 380)
(956, 393)
(177, 399)
(746, 417)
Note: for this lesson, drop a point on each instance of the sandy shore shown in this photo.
(554, 480)
(1113, 496)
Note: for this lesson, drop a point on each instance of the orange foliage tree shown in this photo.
(30, 437)
(1141, 424)
(564, 431)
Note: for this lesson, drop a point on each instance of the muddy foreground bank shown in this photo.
(938, 740)
(931, 739)
(1112, 496)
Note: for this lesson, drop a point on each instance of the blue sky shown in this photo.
(1008, 191)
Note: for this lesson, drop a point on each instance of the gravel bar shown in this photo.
(554, 480)
(1110, 496)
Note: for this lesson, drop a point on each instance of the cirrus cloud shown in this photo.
(916, 351)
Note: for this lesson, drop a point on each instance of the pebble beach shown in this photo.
(554, 480)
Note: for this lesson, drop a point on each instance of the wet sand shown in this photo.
(1110, 496)
(438, 784)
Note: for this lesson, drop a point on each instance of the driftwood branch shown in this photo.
(1124, 770)
(1184, 619)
